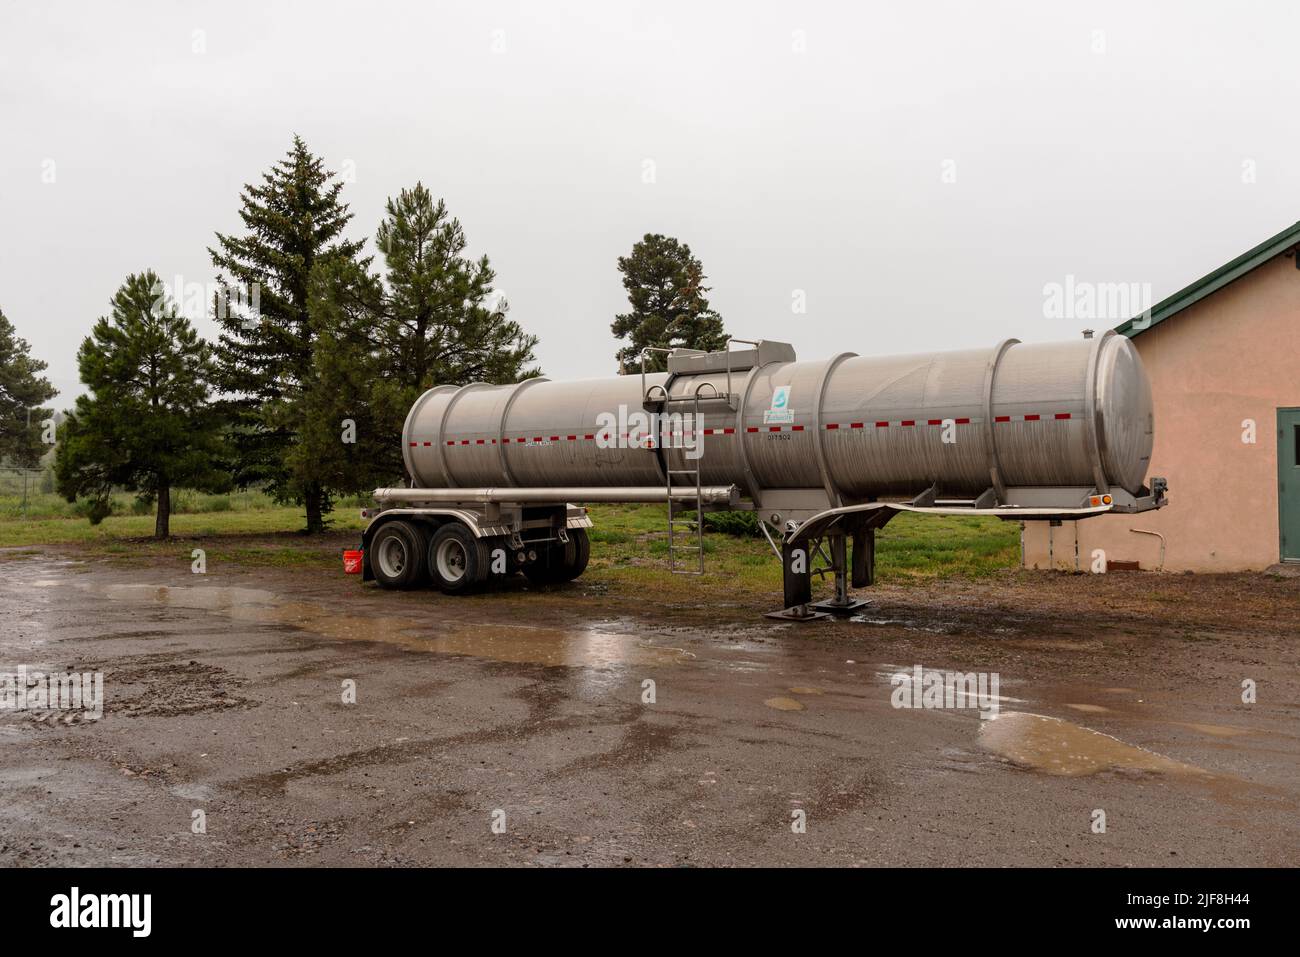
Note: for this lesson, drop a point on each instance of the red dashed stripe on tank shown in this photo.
(754, 429)
(962, 420)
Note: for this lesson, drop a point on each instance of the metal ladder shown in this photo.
(688, 525)
(685, 534)
(692, 526)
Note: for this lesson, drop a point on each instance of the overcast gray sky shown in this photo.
(919, 171)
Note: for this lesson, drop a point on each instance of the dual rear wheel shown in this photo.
(405, 555)
(398, 555)
(561, 562)
(457, 559)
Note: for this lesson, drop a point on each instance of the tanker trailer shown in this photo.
(823, 452)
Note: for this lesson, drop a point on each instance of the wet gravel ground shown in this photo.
(539, 730)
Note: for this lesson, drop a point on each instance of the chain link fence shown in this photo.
(20, 485)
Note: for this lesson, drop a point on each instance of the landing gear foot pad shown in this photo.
(797, 613)
(832, 607)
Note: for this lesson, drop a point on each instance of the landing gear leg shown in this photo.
(796, 579)
(842, 604)
(864, 558)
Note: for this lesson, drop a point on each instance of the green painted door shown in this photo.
(1288, 482)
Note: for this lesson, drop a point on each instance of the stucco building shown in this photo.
(1223, 355)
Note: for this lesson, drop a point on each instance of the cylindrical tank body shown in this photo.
(1021, 414)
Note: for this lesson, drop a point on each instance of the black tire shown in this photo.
(457, 561)
(397, 555)
(561, 563)
(581, 548)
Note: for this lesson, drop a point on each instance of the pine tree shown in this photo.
(346, 412)
(665, 286)
(22, 392)
(443, 323)
(146, 423)
(434, 320)
(295, 221)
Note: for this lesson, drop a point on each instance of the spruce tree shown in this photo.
(345, 416)
(443, 324)
(23, 390)
(147, 423)
(294, 223)
(665, 286)
(431, 318)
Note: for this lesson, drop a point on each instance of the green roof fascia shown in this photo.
(1212, 283)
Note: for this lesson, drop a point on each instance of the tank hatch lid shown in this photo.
(693, 361)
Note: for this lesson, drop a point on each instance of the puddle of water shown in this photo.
(888, 677)
(552, 646)
(1054, 746)
(520, 644)
(210, 598)
(783, 704)
(192, 792)
(806, 691)
(898, 622)
(1216, 730)
(1089, 708)
(1059, 644)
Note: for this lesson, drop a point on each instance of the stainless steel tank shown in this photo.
(1058, 414)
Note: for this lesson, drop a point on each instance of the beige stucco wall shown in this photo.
(1233, 356)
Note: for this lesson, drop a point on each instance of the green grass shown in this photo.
(630, 548)
(629, 544)
(926, 546)
(49, 523)
(46, 505)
